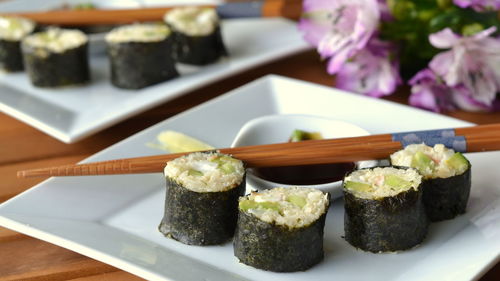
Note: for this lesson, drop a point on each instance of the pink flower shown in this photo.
(479, 5)
(464, 100)
(371, 71)
(339, 28)
(473, 63)
(430, 93)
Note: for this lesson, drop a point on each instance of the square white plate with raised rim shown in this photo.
(114, 218)
(72, 113)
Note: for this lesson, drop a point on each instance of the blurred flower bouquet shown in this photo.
(447, 51)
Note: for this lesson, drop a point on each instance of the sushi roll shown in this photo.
(12, 31)
(56, 57)
(384, 211)
(140, 55)
(197, 34)
(201, 205)
(447, 178)
(281, 229)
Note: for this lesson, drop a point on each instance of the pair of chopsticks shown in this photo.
(266, 8)
(471, 139)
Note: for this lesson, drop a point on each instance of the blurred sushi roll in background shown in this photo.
(447, 178)
(140, 55)
(12, 31)
(201, 206)
(281, 229)
(197, 35)
(384, 211)
(56, 57)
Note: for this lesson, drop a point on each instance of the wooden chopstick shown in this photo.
(267, 8)
(467, 139)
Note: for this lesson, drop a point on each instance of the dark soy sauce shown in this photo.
(305, 175)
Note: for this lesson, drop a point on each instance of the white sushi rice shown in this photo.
(193, 21)
(439, 154)
(208, 175)
(56, 40)
(146, 32)
(289, 214)
(15, 28)
(376, 178)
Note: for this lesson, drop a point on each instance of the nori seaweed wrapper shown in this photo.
(11, 58)
(51, 69)
(136, 65)
(200, 218)
(387, 224)
(198, 50)
(446, 198)
(278, 248)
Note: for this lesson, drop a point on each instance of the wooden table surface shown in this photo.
(23, 147)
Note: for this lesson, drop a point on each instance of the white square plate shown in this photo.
(72, 113)
(114, 218)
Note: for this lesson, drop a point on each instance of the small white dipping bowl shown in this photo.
(278, 128)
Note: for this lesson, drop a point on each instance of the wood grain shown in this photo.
(24, 147)
(270, 8)
(288, 8)
(44, 261)
(96, 17)
(9, 185)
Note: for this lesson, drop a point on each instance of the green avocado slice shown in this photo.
(193, 172)
(246, 205)
(225, 164)
(422, 162)
(358, 186)
(396, 182)
(297, 200)
(458, 162)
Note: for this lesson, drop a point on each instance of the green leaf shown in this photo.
(404, 10)
(471, 29)
(443, 4)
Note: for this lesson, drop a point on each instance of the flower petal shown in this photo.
(443, 39)
(423, 75)
(339, 28)
(430, 93)
(313, 32)
(442, 64)
(388, 78)
(336, 61)
(315, 5)
(370, 73)
(422, 96)
(479, 5)
(482, 85)
(465, 101)
(484, 33)
(462, 3)
(333, 43)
